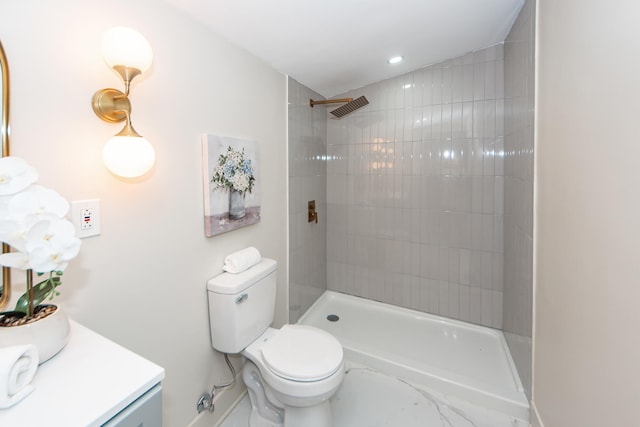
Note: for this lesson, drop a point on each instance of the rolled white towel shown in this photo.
(241, 260)
(18, 365)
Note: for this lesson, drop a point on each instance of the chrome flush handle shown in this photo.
(242, 298)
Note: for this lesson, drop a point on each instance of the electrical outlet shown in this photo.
(87, 218)
(85, 215)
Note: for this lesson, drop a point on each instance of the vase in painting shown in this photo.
(236, 204)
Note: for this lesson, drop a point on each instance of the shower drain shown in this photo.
(333, 318)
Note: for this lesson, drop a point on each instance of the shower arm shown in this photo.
(329, 101)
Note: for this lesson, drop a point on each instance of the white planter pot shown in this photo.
(49, 334)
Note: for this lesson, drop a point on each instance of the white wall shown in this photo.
(142, 282)
(586, 340)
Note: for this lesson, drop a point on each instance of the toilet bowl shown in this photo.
(290, 372)
(298, 368)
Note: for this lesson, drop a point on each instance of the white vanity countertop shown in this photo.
(86, 384)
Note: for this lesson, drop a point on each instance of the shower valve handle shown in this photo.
(313, 214)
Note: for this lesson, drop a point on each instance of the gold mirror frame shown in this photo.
(5, 286)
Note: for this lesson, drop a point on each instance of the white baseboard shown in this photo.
(224, 402)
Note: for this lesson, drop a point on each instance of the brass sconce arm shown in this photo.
(127, 74)
(111, 105)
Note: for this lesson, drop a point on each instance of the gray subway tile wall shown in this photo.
(518, 191)
(415, 190)
(307, 134)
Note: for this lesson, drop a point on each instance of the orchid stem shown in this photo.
(30, 291)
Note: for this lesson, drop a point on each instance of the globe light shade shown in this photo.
(126, 47)
(128, 156)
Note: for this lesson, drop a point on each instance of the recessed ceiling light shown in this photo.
(395, 60)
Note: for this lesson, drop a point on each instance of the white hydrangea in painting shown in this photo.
(33, 223)
(234, 171)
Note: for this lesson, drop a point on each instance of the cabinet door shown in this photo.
(146, 411)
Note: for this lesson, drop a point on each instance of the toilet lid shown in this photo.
(302, 353)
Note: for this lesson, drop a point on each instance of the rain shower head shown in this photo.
(350, 106)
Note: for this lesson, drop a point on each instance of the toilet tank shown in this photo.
(241, 306)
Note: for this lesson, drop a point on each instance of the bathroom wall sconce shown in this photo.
(127, 154)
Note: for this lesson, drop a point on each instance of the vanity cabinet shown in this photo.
(145, 411)
(92, 382)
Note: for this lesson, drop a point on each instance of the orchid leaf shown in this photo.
(41, 292)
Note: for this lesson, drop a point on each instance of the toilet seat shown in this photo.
(302, 353)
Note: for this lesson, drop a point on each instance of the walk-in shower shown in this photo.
(410, 195)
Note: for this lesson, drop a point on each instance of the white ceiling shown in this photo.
(333, 46)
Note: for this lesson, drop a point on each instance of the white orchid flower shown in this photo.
(51, 244)
(39, 202)
(15, 175)
(15, 259)
(14, 233)
(19, 213)
(4, 206)
(46, 246)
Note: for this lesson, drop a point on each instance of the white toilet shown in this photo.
(291, 372)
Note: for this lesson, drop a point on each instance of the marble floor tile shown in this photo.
(369, 398)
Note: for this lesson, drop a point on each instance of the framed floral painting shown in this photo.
(231, 184)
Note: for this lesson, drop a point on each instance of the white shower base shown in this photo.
(459, 359)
